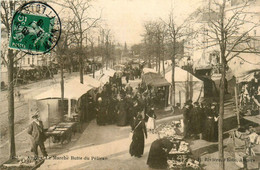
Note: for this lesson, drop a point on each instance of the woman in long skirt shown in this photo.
(139, 130)
(151, 120)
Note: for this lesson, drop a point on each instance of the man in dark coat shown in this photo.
(186, 120)
(122, 113)
(101, 112)
(195, 119)
(158, 153)
(36, 131)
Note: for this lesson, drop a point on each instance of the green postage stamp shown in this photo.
(33, 30)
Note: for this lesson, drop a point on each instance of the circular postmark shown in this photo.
(36, 28)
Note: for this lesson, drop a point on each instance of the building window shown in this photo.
(32, 60)
(23, 60)
(28, 60)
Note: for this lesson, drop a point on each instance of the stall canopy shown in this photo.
(154, 79)
(104, 78)
(88, 81)
(109, 72)
(149, 70)
(72, 90)
(244, 66)
(185, 81)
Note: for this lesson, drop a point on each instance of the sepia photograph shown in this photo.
(130, 85)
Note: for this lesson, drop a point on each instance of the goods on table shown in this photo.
(180, 147)
(171, 130)
(183, 164)
(179, 155)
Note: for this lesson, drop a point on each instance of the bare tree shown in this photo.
(225, 30)
(7, 7)
(82, 23)
(175, 34)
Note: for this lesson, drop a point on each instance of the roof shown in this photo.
(180, 75)
(72, 90)
(155, 79)
(244, 64)
(88, 81)
(149, 70)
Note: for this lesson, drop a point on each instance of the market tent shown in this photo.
(104, 78)
(109, 72)
(72, 90)
(244, 66)
(185, 81)
(149, 70)
(49, 103)
(154, 79)
(88, 81)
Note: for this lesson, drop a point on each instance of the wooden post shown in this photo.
(237, 109)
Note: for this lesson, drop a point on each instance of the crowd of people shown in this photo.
(250, 97)
(119, 104)
(201, 120)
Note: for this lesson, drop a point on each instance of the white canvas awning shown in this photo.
(149, 70)
(185, 81)
(243, 65)
(87, 81)
(72, 90)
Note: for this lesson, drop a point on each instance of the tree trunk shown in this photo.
(12, 152)
(173, 82)
(221, 115)
(62, 85)
(81, 69)
(163, 66)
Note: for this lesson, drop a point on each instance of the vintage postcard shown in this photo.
(130, 84)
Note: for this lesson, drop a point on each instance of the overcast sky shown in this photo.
(126, 18)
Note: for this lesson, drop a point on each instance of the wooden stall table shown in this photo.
(61, 132)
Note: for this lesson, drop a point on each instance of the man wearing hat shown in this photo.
(195, 119)
(38, 137)
(186, 119)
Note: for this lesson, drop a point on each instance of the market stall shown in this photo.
(158, 86)
(187, 86)
(180, 155)
(61, 123)
(105, 76)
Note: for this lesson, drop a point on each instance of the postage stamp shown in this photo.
(36, 28)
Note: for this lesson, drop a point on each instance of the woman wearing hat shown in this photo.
(38, 137)
(139, 130)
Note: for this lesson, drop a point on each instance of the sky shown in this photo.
(126, 18)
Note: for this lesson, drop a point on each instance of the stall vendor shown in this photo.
(158, 153)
